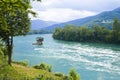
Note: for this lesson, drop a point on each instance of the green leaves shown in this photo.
(44, 66)
(74, 75)
(14, 21)
(116, 30)
(85, 34)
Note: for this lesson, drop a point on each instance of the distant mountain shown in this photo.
(38, 24)
(103, 19)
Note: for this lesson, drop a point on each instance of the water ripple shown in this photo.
(98, 59)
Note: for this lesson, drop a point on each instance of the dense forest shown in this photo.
(85, 34)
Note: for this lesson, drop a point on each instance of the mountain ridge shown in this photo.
(104, 19)
(38, 24)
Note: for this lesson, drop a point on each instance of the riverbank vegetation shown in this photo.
(38, 32)
(14, 21)
(85, 34)
(22, 71)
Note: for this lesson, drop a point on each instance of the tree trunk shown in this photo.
(10, 47)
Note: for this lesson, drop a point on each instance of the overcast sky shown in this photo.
(66, 10)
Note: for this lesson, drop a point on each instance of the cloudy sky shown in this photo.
(66, 10)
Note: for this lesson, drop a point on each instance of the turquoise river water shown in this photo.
(93, 61)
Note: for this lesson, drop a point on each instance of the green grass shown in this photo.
(19, 72)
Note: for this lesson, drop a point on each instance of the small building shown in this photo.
(39, 41)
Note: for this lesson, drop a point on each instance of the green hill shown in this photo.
(103, 19)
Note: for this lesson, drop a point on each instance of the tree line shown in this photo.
(85, 34)
(38, 32)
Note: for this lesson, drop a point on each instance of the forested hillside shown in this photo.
(104, 19)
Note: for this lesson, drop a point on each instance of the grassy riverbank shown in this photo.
(19, 72)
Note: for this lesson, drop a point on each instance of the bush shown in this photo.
(74, 75)
(59, 74)
(43, 77)
(67, 78)
(43, 66)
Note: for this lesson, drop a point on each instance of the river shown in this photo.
(93, 61)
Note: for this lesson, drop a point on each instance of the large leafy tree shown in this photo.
(14, 21)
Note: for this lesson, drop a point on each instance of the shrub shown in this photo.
(67, 78)
(74, 75)
(43, 77)
(44, 66)
(59, 74)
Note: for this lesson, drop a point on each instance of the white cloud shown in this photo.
(62, 15)
(94, 5)
(66, 10)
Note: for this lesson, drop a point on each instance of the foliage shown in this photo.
(59, 74)
(20, 72)
(67, 78)
(2, 49)
(43, 77)
(43, 66)
(39, 32)
(3, 59)
(74, 75)
(116, 31)
(14, 21)
(12, 14)
(85, 34)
